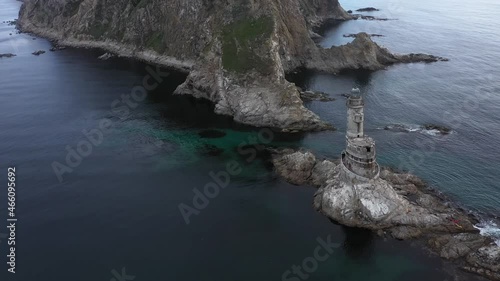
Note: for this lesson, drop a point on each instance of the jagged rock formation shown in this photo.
(236, 51)
(399, 204)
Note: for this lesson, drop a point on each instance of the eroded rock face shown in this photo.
(295, 168)
(236, 52)
(399, 204)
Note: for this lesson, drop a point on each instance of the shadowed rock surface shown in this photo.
(398, 204)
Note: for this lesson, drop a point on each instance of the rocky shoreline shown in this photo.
(60, 43)
(236, 54)
(397, 205)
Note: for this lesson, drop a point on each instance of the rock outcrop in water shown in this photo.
(8, 55)
(369, 9)
(236, 52)
(430, 129)
(39, 52)
(398, 204)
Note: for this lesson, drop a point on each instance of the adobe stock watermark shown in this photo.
(121, 276)
(310, 264)
(120, 108)
(222, 178)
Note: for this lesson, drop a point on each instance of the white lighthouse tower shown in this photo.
(355, 116)
(359, 158)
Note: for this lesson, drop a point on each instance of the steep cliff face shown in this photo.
(236, 51)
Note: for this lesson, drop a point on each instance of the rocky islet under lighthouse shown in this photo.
(355, 191)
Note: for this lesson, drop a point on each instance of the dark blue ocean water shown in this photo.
(119, 208)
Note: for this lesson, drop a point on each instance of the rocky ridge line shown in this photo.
(236, 52)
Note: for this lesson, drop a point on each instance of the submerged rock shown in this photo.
(211, 150)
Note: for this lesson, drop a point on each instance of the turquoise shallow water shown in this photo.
(120, 207)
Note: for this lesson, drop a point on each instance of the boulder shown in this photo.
(105, 56)
(39, 52)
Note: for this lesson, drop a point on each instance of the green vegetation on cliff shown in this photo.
(243, 42)
(155, 42)
(98, 30)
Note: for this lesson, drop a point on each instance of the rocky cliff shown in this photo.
(236, 51)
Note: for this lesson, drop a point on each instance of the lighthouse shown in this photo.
(359, 157)
(355, 116)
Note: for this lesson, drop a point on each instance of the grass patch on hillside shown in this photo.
(243, 41)
(98, 30)
(141, 3)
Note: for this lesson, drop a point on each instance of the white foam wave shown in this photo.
(411, 128)
(490, 229)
